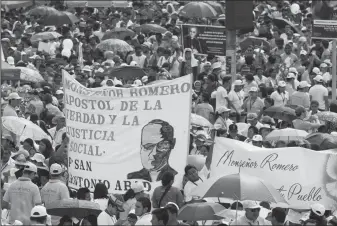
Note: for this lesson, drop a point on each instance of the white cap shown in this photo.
(86, 68)
(291, 75)
(318, 209)
(253, 89)
(134, 63)
(30, 167)
(58, 92)
(145, 79)
(282, 83)
(223, 109)
(323, 65)
(318, 78)
(10, 60)
(14, 96)
(316, 70)
(249, 204)
(257, 138)
(303, 52)
(55, 169)
(303, 84)
(137, 83)
(38, 158)
(293, 70)
(238, 83)
(216, 65)
(38, 211)
(328, 62)
(137, 187)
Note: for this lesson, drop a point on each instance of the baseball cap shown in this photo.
(137, 187)
(316, 70)
(318, 78)
(251, 116)
(303, 84)
(223, 109)
(290, 75)
(216, 65)
(30, 167)
(56, 169)
(324, 65)
(328, 62)
(249, 204)
(253, 89)
(144, 79)
(303, 52)
(38, 158)
(14, 96)
(38, 211)
(293, 70)
(283, 83)
(257, 138)
(238, 83)
(318, 209)
(58, 92)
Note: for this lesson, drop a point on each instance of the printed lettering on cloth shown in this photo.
(119, 136)
(302, 176)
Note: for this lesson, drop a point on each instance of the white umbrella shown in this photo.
(30, 75)
(23, 127)
(287, 134)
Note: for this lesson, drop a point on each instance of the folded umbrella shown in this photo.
(198, 10)
(115, 45)
(200, 211)
(23, 127)
(42, 11)
(197, 120)
(146, 28)
(118, 33)
(73, 208)
(282, 113)
(255, 42)
(45, 36)
(238, 187)
(30, 75)
(287, 134)
(60, 18)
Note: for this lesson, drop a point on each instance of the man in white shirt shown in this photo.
(60, 128)
(301, 96)
(108, 217)
(194, 180)
(319, 93)
(251, 217)
(220, 94)
(14, 101)
(235, 98)
(143, 211)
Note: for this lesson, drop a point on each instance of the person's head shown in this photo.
(65, 221)
(253, 92)
(314, 105)
(101, 191)
(252, 130)
(252, 119)
(14, 100)
(38, 215)
(138, 189)
(317, 212)
(280, 144)
(138, 50)
(167, 179)
(193, 32)
(268, 102)
(46, 148)
(28, 144)
(300, 112)
(132, 219)
(143, 206)
(303, 86)
(233, 130)
(156, 144)
(238, 85)
(191, 173)
(257, 140)
(83, 194)
(159, 217)
(113, 208)
(55, 171)
(278, 216)
(252, 209)
(5, 154)
(236, 206)
(281, 86)
(279, 43)
(30, 170)
(129, 194)
(211, 79)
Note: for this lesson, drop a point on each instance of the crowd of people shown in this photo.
(292, 73)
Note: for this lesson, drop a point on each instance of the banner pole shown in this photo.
(231, 51)
(333, 73)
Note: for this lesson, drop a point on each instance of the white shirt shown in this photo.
(189, 187)
(130, 23)
(145, 219)
(236, 98)
(280, 99)
(105, 219)
(220, 96)
(318, 92)
(259, 81)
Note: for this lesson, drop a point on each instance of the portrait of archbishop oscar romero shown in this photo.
(157, 142)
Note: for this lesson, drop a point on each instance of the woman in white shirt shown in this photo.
(280, 96)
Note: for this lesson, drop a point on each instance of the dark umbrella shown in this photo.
(282, 113)
(146, 28)
(255, 41)
(324, 140)
(217, 6)
(119, 33)
(127, 72)
(281, 23)
(198, 10)
(60, 18)
(42, 11)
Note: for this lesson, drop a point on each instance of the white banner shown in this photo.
(123, 135)
(301, 175)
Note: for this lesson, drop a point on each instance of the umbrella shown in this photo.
(115, 45)
(73, 208)
(200, 211)
(238, 187)
(9, 72)
(324, 140)
(126, 73)
(23, 127)
(327, 116)
(16, 4)
(146, 28)
(287, 134)
(197, 120)
(281, 23)
(198, 10)
(74, 4)
(230, 214)
(30, 75)
(60, 18)
(42, 11)
(45, 36)
(217, 6)
(254, 41)
(118, 33)
(283, 113)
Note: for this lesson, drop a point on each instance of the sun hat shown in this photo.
(223, 109)
(30, 167)
(21, 152)
(318, 209)
(14, 96)
(38, 157)
(257, 138)
(137, 187)
(238, 83)
(216, 65)
(282, 83)
(38, 211)
(21, 160)
(316, 70)
(328, 62)
(249, 204)
(293, 70)
(116, 202)
(55, 169)
(251, 116)
(323, 65)
(58, 92)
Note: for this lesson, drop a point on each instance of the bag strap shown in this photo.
(162, 196)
